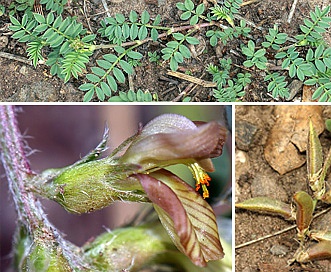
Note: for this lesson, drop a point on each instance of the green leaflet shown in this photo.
(267, 205)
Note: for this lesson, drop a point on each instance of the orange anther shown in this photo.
(201, 177)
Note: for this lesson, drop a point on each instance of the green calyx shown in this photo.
(94, 185)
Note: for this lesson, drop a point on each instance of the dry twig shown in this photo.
(294, 4)
(198, 81)
(278, 232)
(105, 6)
(14, 57)
(248, 2)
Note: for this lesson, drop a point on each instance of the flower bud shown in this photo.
(128, 248)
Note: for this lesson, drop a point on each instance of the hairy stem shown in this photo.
(17, 168)
(19, 173)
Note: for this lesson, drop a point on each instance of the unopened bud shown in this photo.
(128, 249)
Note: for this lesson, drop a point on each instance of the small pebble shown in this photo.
(294, 88)
(3, 41)
(242, 163)
(23, 70)
(279, 250)
(245, 134)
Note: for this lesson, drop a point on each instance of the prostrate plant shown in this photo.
(71, 47)
(69, 52)
(228, 89)
(312, 68)
(305, 57)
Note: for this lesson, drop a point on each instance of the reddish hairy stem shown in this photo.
(17, 167)
(18, 172)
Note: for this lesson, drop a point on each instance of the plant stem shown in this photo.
(165, 34)
(18, 171)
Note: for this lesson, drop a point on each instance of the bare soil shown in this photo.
(21, 82)
(255, 177)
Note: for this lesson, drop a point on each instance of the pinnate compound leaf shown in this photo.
(186, 216)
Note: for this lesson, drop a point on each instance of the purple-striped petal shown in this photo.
(188, 219)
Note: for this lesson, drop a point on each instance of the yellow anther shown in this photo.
(201, 177)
